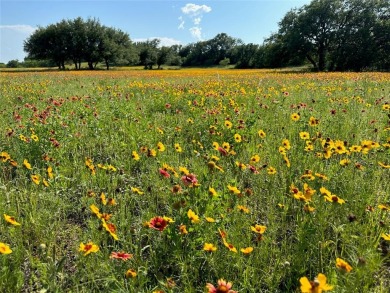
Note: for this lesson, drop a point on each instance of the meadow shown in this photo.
(197, 180)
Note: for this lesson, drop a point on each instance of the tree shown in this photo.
(148, 52)
(78, 40)
(13, 63)
(163, 56)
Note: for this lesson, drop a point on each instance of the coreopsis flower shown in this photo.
(209, 247)
(50, 172)
(183, 229)
(321, 176)
(240, 165)
(342, 264)
(176, 188)
(88, 248)
(287, 161)
(137, 190)
(45, 182)
(212, 166)
(259, 229)
(151, 153)
(313, 121)
(121, 255)
(11, 220)
(295, 117)
(307, 208)
(234, 190)
(243, 209)
(384, 207)
(158, 223)
(247, 250)
(212, 192)
(135, 156)
(237, 137)
(4, 248)
(229, 246)
(226, 146)
(228, 124)
(385, 236)
(255, 159)
(210, 220)
(261, 133)
(286, 144)
(160, 146)
(359, 166)
(103, 199)
(222, 233)
(27, 164)
(34, 137)
(36, 179)
(215, 145)
(95, 210)
(317, 286)
(271, 171)
(110, 228)
(184, 170)
(223, 287)
(355, 149)
(4, 157)
(131, 273)
(178, 148)
(193, 217)
(304, 135)
(383, 165)
(334, 198)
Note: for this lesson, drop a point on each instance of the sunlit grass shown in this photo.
(170, 180)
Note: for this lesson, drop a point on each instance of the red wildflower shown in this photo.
(121, 255)
(164, 173)
(189, 179)
(158, 223)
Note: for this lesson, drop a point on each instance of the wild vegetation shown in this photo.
(194, 181)
(332, 35)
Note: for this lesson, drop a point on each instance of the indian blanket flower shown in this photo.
(209, 247)
(317, 286)
(11, 220)
(121, 255)
(158, 223)
(193, 217)
(4, 248)
(189, 180)
(222, 287)
(88, 248)
(164, 173)
(343, 265)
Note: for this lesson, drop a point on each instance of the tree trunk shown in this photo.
(90, 65)
(312, 61)
(321, 58)
(107, 65)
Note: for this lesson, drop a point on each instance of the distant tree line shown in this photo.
(328, 34)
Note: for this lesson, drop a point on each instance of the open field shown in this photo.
(165, 181)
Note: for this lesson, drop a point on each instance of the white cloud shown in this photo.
(20, 28)
(196, 32)
(197, 20)
(194, 13)
(164, 41)
(194, 9)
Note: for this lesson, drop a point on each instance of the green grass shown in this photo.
(106, 115)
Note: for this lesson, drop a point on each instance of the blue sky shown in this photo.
(173, 22)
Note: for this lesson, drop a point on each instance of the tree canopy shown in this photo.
(327, 34)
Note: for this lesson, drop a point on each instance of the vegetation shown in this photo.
(329, 34)
(194, 181)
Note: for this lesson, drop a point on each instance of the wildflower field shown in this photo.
(198, 180)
